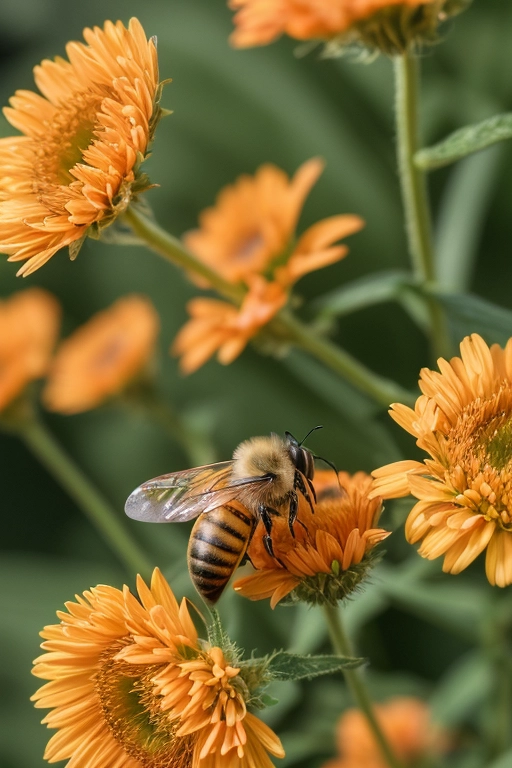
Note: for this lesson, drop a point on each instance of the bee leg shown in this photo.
(292, 511)
(301, 486)
(312, 489)
(266, 518)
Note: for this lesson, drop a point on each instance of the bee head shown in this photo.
(301, 457)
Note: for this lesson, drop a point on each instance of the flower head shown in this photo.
(132, 685)
(388, 25)
(330, 552)
(249, 237)
(463, 420)
(103, 356)
(407, 726)
(76, 166)
(29, 324)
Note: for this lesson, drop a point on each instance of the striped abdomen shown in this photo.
(217, 544)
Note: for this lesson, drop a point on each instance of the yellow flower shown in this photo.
(249, 236)
(132, 686)
(103, 356)
(250, 230)
(390, 25)
(29, 324)
(464, 421)
(76, 166)
(407, 726)
(330, 552)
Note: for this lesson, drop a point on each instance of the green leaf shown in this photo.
(462, 690)
(365, 292)
(292, 666)
(471, 314)
(465, 141)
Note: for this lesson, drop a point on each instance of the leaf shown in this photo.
(462, 690)
(468, 313)
(359, 294)
(292, 666)
(465, 141)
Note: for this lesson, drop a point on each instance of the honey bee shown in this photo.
(262, 480)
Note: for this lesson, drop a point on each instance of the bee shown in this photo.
(263, 479)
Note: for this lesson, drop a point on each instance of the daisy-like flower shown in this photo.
(408, 728)
(249, 237)
(103, 356)
(77, 165)
(132, 686)
(463, 420)
(387, 25)
(331, 552)
(216, 326)
(29, 324)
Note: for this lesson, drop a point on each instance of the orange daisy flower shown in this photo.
(29, 324)
(249, 236)
(407, 726)
(76, 166)
(330, 553)
(389, 25)
(132, 685)
(216, 326)
(250, 230)
(463, 420)
(102, 357)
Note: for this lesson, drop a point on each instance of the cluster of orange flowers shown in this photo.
(96, 362)
(131, 684)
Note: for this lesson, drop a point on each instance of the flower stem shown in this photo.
(356, 684)
(382, 390)
(174, 251)
(44, 446)
(414, 195)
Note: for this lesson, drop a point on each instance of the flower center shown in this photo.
(67, 137)
(247, 249)
(479, 454)
(133, 715)
(109, 355)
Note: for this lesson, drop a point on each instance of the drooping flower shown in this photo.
(77, 164)
(29, 324)
(216, 326)
(387, 25)
(330, 552)
(463, 420)
(407, 726)
(102, 357)
(132, 686)
(249, 238)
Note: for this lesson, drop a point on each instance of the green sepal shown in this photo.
(465, 141)
(282, 665)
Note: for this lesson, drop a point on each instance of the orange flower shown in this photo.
(132, 685)
(76, 166)
(217, 326)
(464, 421)
(103, 356)
(250, 230)
(387, 24)
(248, 236)
(406, 724)
(330, 552)
(29, 324)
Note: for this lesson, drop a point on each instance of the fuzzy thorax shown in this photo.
(266, 456)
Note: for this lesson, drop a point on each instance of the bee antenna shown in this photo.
(320, 426)
(331, 465)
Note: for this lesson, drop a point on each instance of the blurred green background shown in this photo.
(426, 633)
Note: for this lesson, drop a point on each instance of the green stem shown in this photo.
(285, 325)
(174, 251)
(196, 444)
(356, 684)
(414, 195)
(44, 446)
(382, 390)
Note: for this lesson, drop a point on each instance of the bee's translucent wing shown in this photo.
(181, 496)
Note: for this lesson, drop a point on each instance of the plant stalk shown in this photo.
(356, 684)
(414, 196)
(104, 518)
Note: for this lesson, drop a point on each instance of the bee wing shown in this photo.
(181, 496)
